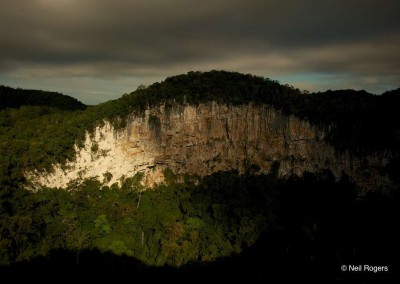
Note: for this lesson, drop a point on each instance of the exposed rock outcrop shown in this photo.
(208, 138)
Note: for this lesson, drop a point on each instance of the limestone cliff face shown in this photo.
(205, 139)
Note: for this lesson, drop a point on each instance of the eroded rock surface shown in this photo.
(205, 139)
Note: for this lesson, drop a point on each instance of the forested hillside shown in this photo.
(354, 120)
(14, 98)
(247, 220)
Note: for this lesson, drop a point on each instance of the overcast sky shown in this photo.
(96, 50)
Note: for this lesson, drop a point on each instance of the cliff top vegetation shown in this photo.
(38, 129)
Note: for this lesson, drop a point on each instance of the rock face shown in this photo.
(205, 139)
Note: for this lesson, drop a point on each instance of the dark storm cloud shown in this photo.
(114, 38)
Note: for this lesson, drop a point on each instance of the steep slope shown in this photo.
(202, 123)
(207, 138)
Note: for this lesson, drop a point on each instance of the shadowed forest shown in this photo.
(227, 226)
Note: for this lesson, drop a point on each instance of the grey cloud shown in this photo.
(111, 38)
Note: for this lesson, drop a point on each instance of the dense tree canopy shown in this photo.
(308, 226)
(14, 98)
